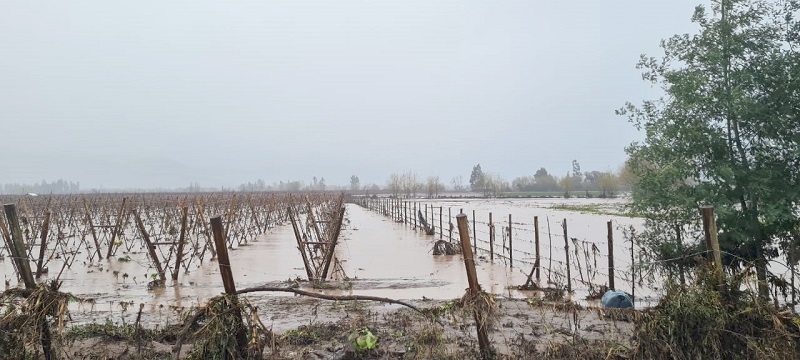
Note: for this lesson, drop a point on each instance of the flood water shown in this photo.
(587, 232)
(381, 257)
(378, 256)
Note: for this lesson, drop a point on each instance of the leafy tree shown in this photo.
(567, 183)
(627, 179)
(726, 134)
(608, 183)
(354, 183)
(577, 175)
(592, 180)
(477, 178)
(545, 181)
(524, 183)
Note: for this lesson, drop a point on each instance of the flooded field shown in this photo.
(378, 257)
(587, 239)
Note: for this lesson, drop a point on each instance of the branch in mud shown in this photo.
(334, 297)
(176, 349)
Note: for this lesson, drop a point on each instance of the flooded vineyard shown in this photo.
(376, 256)
(151, 260)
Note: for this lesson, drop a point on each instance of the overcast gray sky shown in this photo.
(162, 93)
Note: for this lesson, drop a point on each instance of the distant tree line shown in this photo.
(606, 183)
(59, 186)
(588, 183)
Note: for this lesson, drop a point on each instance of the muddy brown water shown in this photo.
(588, 228)
(381, 257)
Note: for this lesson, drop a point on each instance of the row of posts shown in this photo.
(398, 210)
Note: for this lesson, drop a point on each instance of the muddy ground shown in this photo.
(308, 328)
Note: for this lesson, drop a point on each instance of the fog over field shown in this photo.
(162, 94)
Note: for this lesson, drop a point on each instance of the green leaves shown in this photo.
(363, 339)
(726, 133)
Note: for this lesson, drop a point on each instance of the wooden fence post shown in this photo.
(18, 251)
(120, 216)
(43, 247)
(610, 255)
(300, 244)
(332, 244)
(441, 229)
(222, 255)
(474, 236)
(680, 250)
(566, 250)
(474, 287)
(510, 243)
(94, 233)
(24, 268)
(415, 215)
(450, 221)
(633, 274)
(491, 238)
(538, 256)
(181, 242)
(150, 247)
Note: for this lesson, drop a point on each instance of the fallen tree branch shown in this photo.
(176, 349)
(335, 297)
(179, 342)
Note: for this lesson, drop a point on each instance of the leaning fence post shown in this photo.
(332, 244)
(24, 267)
(151, 248)
(116, 230)
(94, 233)
(222, 256)
(566, 250)
(181, 242)
(610, 256)
(43, 247)
(18, 251)
(474, 287)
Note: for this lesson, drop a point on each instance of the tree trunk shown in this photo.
(761, 273)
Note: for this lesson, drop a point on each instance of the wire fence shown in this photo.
(541, 247)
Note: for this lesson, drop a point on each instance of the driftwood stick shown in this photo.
(329, 297)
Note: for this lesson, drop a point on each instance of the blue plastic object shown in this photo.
(616, 300)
